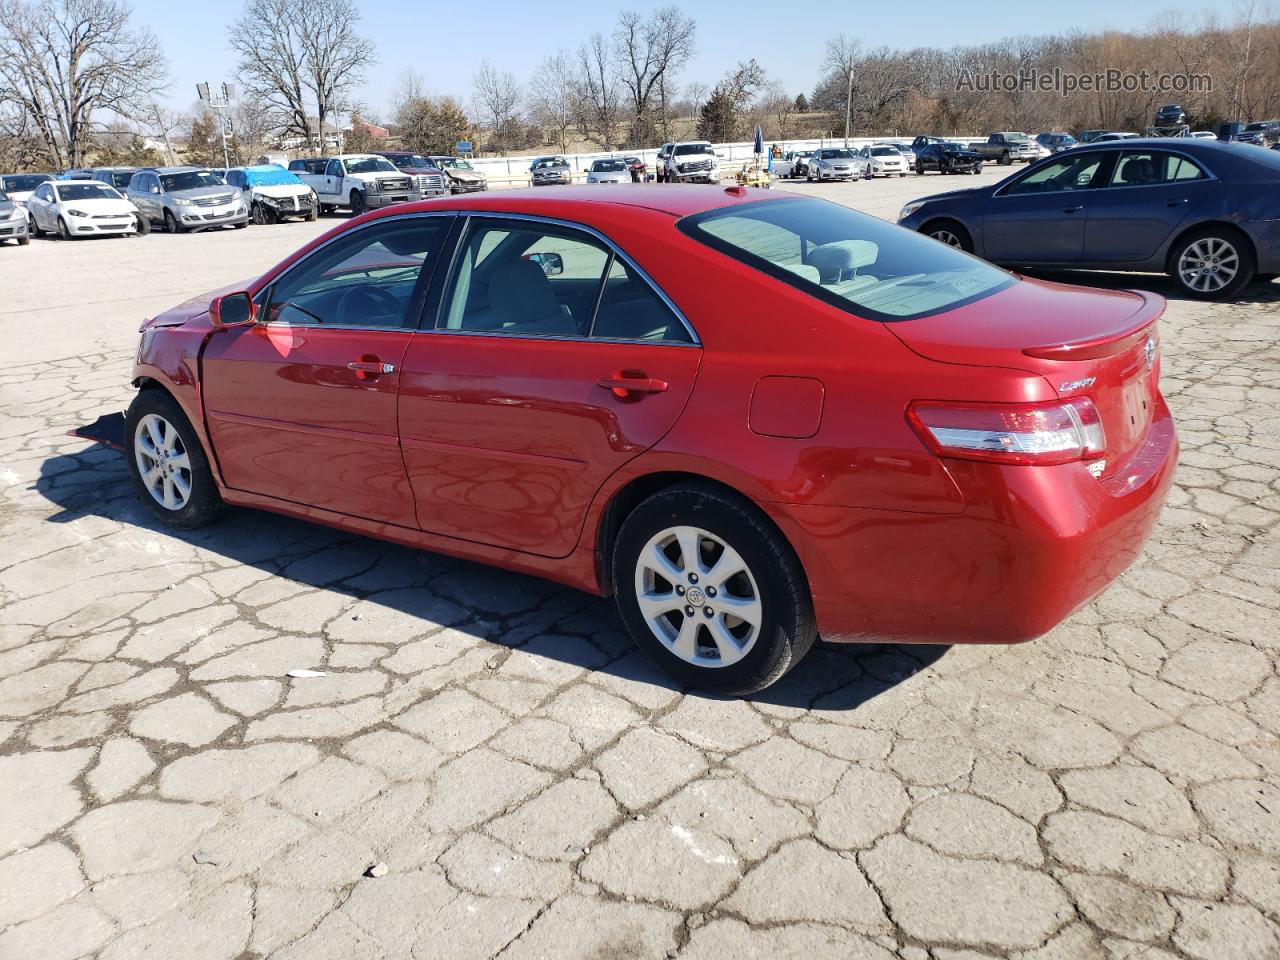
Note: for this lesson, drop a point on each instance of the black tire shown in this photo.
(1005, 159)
(1243, 249)
(143, 226)
(313, 214)
(203, 504)
(787, 629)
(953, 227)
(358, 205)
(63, 232)
(171, 224)
(241, 225)
(919, 169)
(33, 228)
(23, 241)
(977, 169)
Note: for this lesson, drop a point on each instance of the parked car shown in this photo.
(359, 182)
(884, 160)
(609, 171)
(908, 154)
(1056, 142)
(1010, 440)
(117, 177)
(1206, 213)
(947, 157)
(836, 163)
(72, 209)
(13, 221)
(462, 177)
(312, 165)
(1171, 115)
(1005, 148)
(273, 194)
(186, 199)
(19, 186)
(1266, 131)
(1113, 135)
(1088, 136)
(430, 179)
(791, 164)
(550, 171)
(692, 162)
(639, 169)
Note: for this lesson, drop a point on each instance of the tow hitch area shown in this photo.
(107, 430)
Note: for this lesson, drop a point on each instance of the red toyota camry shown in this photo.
(754, 419)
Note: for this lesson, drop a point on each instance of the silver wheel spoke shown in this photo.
(151, 476)
(163, 465)
(727, 566)
(685, 645)
(154, 431)
(746, 610)
(655, 605)
(726, 643)
(169, 499)
(180, 462)
(661, 564)
(690, 556)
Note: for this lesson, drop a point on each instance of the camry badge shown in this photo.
(1071, 385)
(1149, 351)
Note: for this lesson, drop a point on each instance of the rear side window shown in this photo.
(859, 263)
(1143, 168)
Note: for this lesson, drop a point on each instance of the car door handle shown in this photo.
(1078, 207)
(1176, 203)
(364, 368)
(624, 384)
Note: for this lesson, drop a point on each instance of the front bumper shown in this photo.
(468, 186)
(697, 176)
(285, 207)
(552, 181)
(13, 229)
(205, 218)
(376, 200)
(91, 226)
(822, 174)
(1032, 545)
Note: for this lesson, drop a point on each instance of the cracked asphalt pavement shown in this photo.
(488, 767)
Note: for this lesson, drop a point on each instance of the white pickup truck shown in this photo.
(688, 162)
(360, 181)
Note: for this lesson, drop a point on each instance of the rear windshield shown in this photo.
(857, 262)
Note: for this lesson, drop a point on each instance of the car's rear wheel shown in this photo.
(1212, 264)
(710, 591)
(171, 222)
(167, 463)
(950, 232)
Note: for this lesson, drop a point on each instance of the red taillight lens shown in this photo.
(1014, 433)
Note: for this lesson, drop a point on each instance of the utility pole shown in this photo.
(848, 105)
(221, 106)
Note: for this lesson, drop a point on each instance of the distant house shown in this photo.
(373, 130)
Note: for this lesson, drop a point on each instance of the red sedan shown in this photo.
(754, 419)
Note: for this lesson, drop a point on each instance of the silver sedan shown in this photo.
(609, 171)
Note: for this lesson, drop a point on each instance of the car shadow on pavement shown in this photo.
(1256, 292)
(502, 608)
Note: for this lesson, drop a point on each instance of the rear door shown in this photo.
(1040, 217)
(551, 363)
(1148, 195)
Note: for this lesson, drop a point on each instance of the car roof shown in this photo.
(173, 169)
(576, 202)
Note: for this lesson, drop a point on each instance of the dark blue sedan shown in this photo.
(1205, 213)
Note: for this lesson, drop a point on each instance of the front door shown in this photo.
(1040, 217)
(302, 405)
(1149, 194)
(553, 362)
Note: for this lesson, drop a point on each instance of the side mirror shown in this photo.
(552, 264)
(231, 310)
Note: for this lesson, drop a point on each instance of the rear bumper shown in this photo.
(1032, 545)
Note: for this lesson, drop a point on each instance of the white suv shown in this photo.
(695, 161)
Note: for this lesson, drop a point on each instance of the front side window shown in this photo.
(369, 278)
(541, 280)
(334, 169)
(1146, 168)
(1072, 172)
(859, 263)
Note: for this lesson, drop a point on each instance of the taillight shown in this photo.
(1015, 433)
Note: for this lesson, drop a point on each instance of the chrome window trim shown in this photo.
(617, 252)
(265, 293)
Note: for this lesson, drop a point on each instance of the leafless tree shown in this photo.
(63, 61)
(697, 94)
(597, 89)
(553, 98)
(652, 47)
(497, 97)
(777, 109)
(841, 58)
(300, 56)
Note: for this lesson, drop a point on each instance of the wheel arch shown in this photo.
(1202, 225)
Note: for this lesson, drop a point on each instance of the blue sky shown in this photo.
(789, 45)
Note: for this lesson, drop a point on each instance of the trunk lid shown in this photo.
(1102, 344)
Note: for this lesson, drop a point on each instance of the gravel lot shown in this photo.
(532, 787)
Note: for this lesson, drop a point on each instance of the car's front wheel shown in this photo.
(1212, 264)
(167, 463)
(171, 222)
(64, 233)
(951, 233)
(357, 203)
(711, 591)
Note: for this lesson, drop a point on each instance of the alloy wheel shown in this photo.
(698, 597)
(162, 461)
(1208, 265)
(943, 235)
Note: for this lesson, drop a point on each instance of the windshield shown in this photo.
(86, 191)
(271, 178)
(553, 162)
(604, 166)
(1015, 136)
(412, 160)
(835, 155)
(685, 149)
(854, 261)
(191, 180)
(453, 163)
(370, 165)
(24, 183)
(884, 152)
